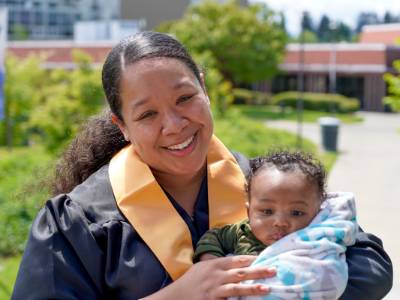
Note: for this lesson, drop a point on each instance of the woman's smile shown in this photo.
(183, 148)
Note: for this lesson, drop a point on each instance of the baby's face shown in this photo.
(281, 203)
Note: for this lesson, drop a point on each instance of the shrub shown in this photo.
(245, 96)
(23, 189)
(318, 101)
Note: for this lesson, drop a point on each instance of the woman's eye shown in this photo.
(185, 98)
(297, 213)
(146, 115)
(267, 212)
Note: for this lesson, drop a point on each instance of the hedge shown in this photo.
(318, 101)
(245, 96)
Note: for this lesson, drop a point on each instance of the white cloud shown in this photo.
(344, 10)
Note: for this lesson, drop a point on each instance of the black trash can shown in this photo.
(330, 132)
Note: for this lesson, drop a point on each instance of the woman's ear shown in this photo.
(247, 207)
(117, 121)
(203, 85)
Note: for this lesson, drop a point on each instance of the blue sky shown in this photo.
(345, 10)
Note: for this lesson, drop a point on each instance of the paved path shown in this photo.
(369, 166)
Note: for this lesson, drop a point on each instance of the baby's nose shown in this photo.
(281, 221)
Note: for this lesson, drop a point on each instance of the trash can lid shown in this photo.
(329, 121)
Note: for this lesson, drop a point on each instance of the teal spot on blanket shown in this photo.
(339, 234)
(286, 276)
(306, 296)
(303, 235)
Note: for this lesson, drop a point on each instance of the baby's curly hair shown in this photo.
(287, 161)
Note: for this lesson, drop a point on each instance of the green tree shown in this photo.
(307, 37)
(393, 81)
(323, 30)
(307, 22)
(69, 98)
(247, 43)
(366, 18)
(24, 81)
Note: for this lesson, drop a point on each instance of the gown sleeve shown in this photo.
(370, 269)
(62, 259)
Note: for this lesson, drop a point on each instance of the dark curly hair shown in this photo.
(100, 139)
(287, 161)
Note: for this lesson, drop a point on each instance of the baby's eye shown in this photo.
(298, 213)
(267, 211)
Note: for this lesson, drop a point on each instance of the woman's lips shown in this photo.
(183, 148)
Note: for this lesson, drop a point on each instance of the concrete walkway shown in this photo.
(369, 166)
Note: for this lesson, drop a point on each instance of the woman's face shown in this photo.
(166, 115)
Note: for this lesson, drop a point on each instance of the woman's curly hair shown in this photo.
(92, 148)
(287, 161)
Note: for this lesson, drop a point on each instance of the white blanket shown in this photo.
(311, 262)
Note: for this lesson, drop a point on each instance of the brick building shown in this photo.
(352, 69)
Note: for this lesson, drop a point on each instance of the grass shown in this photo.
(268, 112)
(252, 138)
(8, 274)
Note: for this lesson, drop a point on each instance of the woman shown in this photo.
(127, 227)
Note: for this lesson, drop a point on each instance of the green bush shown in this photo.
(318, 101)
(245, 96)
(23, 173)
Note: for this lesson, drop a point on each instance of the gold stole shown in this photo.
(143, 202)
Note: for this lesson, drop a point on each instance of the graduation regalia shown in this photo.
(93, 243)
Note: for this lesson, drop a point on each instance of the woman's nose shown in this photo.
(173, 122)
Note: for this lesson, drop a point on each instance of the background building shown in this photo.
(54, 19)
(351, 69)
(155, 12)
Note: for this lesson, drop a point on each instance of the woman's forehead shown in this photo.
(168, 70)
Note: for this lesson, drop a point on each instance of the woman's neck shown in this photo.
(182, 188)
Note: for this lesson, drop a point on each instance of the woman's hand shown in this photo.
(217, 279)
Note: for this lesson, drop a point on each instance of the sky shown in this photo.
(343, 10)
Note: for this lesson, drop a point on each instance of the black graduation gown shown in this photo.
(82, 247)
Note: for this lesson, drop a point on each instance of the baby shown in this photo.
(293, 225)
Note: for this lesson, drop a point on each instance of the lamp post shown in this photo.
(332, 62)
(300, 86)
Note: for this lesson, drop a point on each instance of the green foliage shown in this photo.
(393, 82)
(253, 138)
(23, 188)
(219, 90)
(247, 42)
(49, 106)
(271, 112)
(8, 274)
(68, 99)
(19, 32)
(317, 101)
(245, 96)
(24, 80)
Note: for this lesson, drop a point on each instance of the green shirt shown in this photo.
(236, 239)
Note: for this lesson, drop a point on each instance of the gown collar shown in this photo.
(147, 208)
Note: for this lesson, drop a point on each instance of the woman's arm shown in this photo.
(370, 269)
